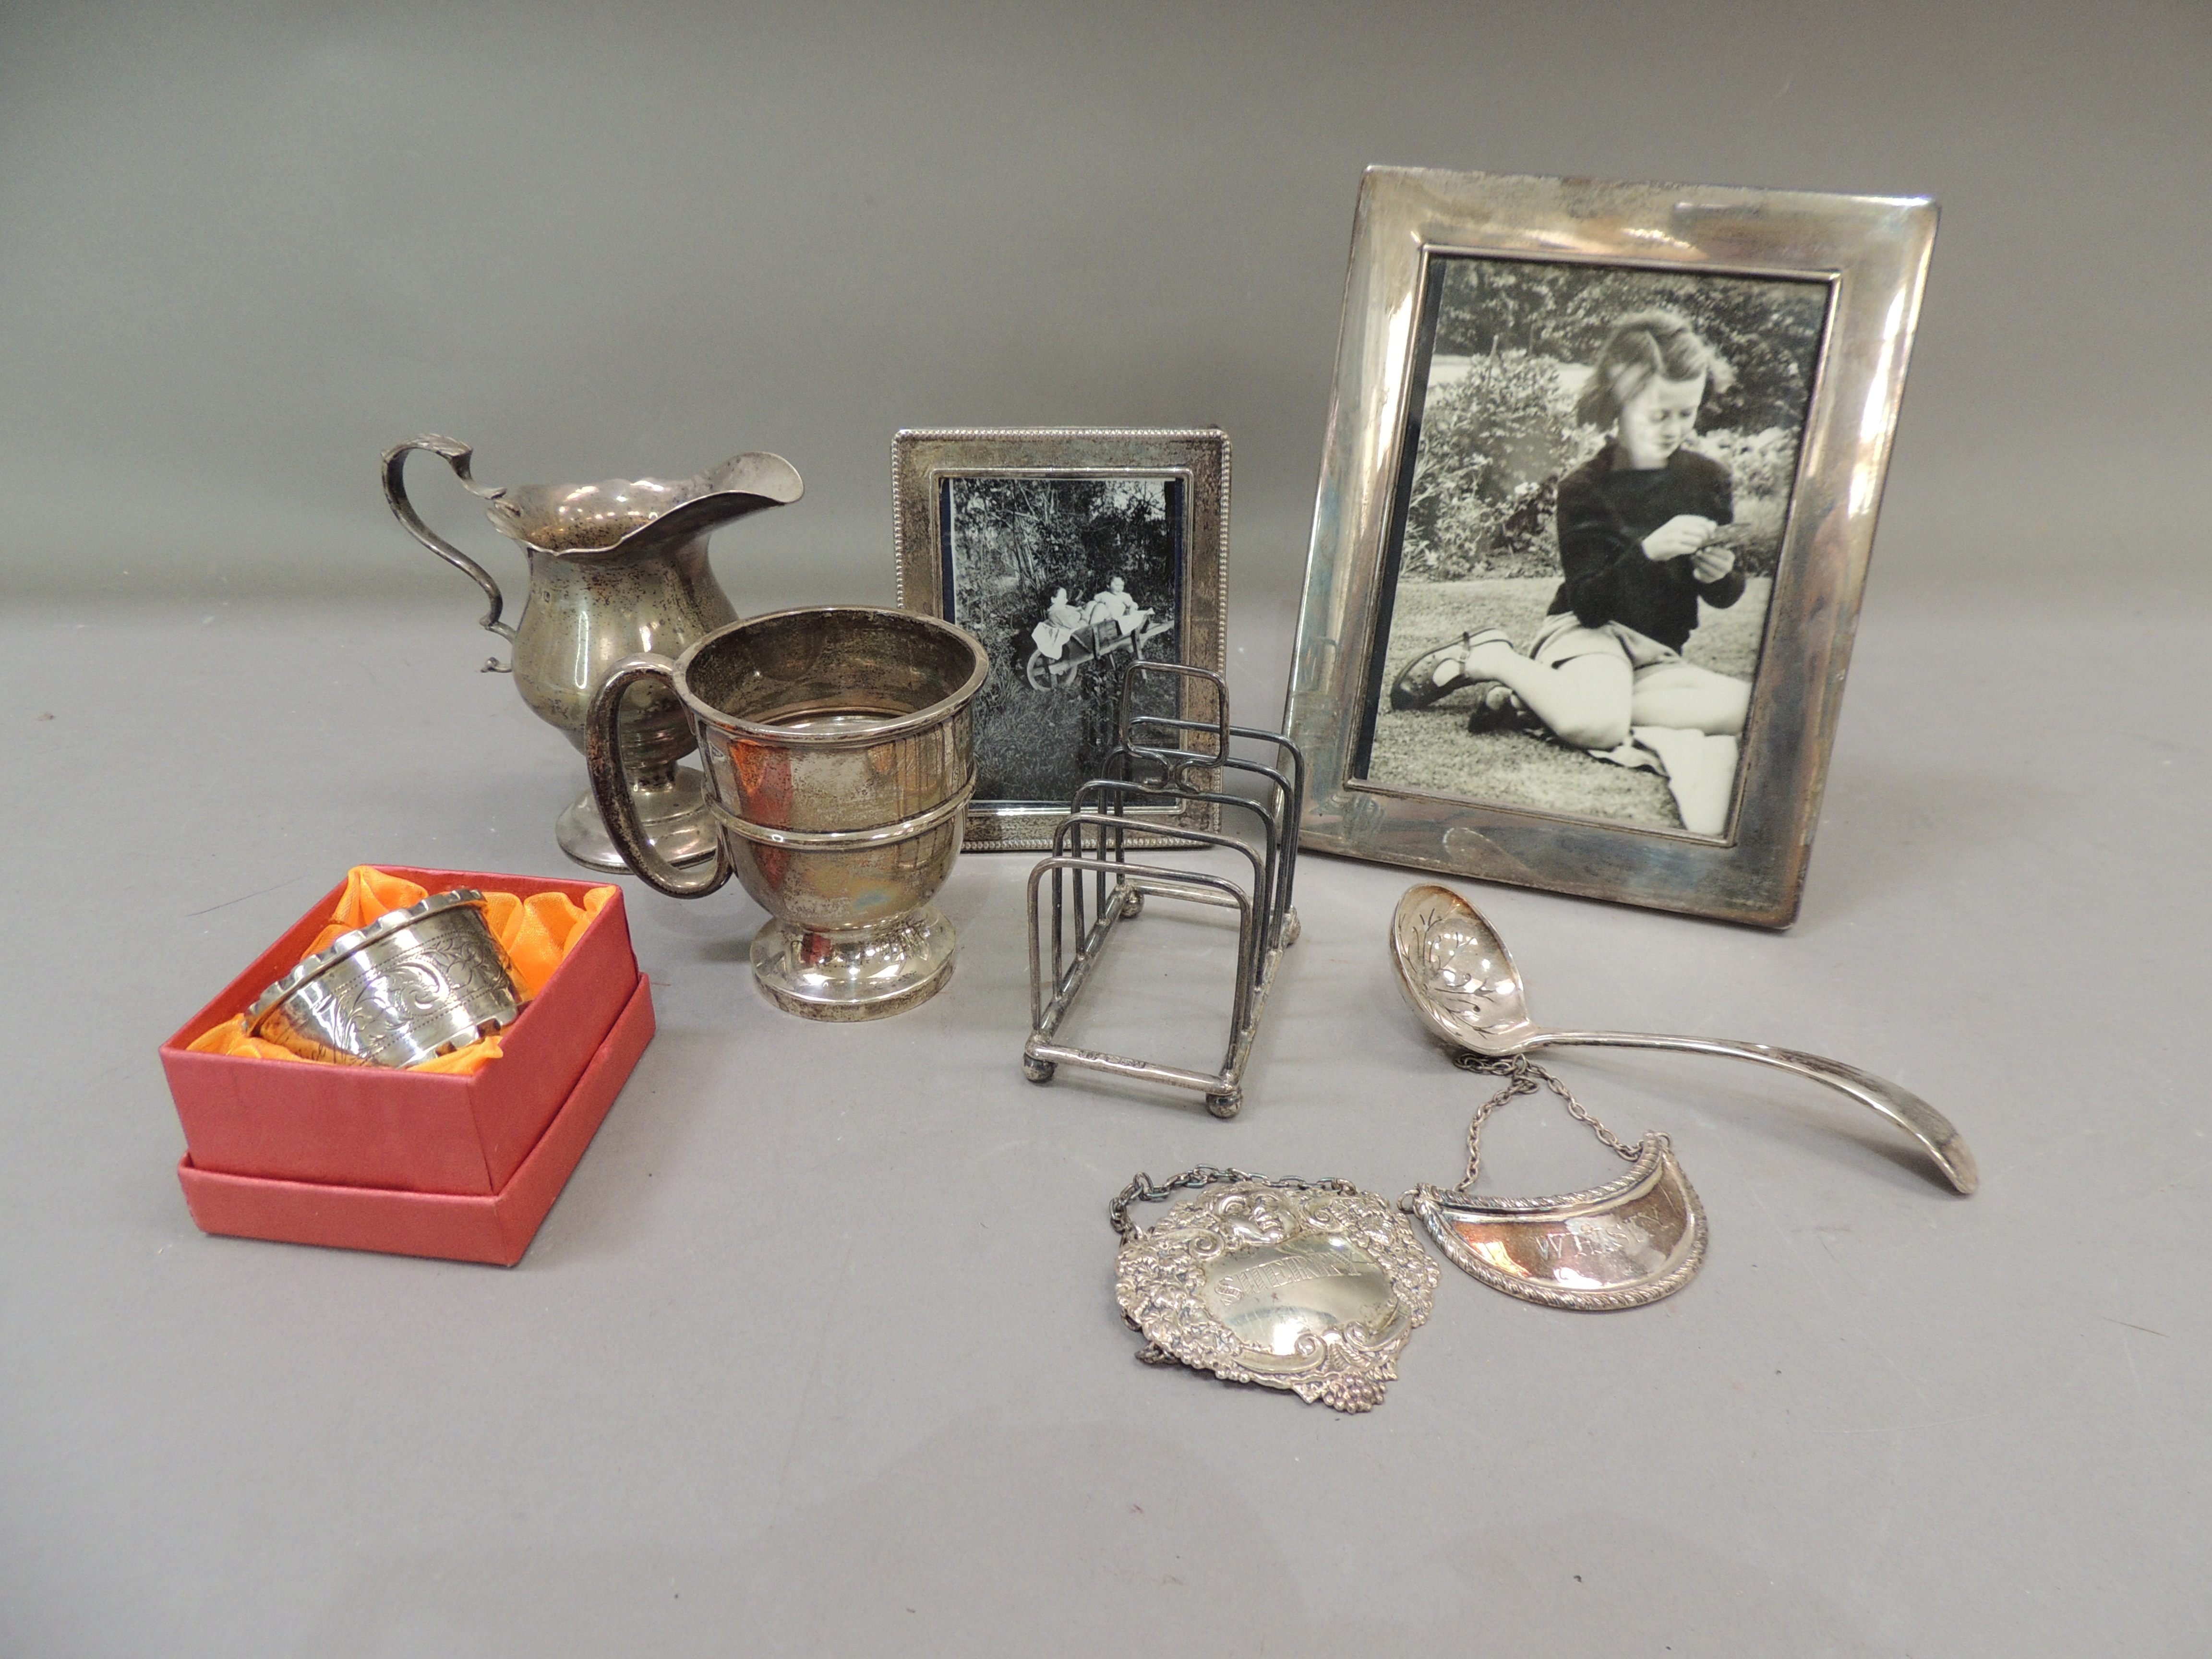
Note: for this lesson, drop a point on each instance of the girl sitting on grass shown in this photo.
(1637, 524)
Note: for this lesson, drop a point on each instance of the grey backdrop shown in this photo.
(752, 1390)
(247, 246)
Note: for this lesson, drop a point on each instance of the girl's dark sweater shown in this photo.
(1606, 512)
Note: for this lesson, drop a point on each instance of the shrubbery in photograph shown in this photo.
(1513, 342)
(1014, 542)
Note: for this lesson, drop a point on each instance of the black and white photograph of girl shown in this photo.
(1067, 581)
(1583, 554)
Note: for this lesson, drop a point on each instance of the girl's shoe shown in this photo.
(1416, 685)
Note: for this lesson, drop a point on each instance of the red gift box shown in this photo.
(463, 1167)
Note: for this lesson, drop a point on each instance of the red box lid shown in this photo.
(456, 1226)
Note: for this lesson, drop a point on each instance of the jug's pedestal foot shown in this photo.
(674, 816)
(860, 975)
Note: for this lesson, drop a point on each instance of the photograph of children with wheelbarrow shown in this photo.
(1067, 581)
(1603, 470)
(1069, 639)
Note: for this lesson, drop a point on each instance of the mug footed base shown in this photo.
(871, 975)
(675, 818)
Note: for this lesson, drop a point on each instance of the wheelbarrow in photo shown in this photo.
(1090, 644)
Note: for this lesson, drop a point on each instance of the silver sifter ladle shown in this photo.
(1456, 973)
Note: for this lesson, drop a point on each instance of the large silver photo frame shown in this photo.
(1470, 500)
(1069, 552)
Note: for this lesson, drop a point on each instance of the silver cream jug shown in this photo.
(616, 568)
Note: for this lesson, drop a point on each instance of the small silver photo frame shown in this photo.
(1594, 522)
(1070, 553)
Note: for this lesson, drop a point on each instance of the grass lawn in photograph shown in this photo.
(1431, 751)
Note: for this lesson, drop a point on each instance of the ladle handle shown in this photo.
(455, 455)
(1905, 1109)
(602, 759)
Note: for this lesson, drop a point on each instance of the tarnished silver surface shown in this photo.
(888, 971)
(413, 984)
(1309, 1286)
(840, 760)
(1454, 970)
(1620, 1245)
(1159, 761)
(1873, 252)
(616, 568)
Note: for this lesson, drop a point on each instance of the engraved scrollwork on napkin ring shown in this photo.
(413, 984)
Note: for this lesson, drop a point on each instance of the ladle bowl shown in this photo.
(1461, 981)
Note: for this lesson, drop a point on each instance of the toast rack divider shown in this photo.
(1095, 887)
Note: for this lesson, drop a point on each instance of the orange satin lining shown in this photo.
(537, 933)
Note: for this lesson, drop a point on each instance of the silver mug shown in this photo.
(839, 746)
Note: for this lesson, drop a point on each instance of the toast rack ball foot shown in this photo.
(675, 818)
(1038, 1071)
(1223, 1105)
(1290, 928)
(1133, 906)
(863, 975)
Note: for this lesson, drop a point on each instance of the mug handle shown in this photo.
(611, 783)
(455, 455)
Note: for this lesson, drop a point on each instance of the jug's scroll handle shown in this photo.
(455, 455)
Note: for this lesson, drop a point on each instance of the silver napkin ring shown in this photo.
(413, 984)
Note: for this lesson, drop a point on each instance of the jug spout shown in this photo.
(624, 519)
